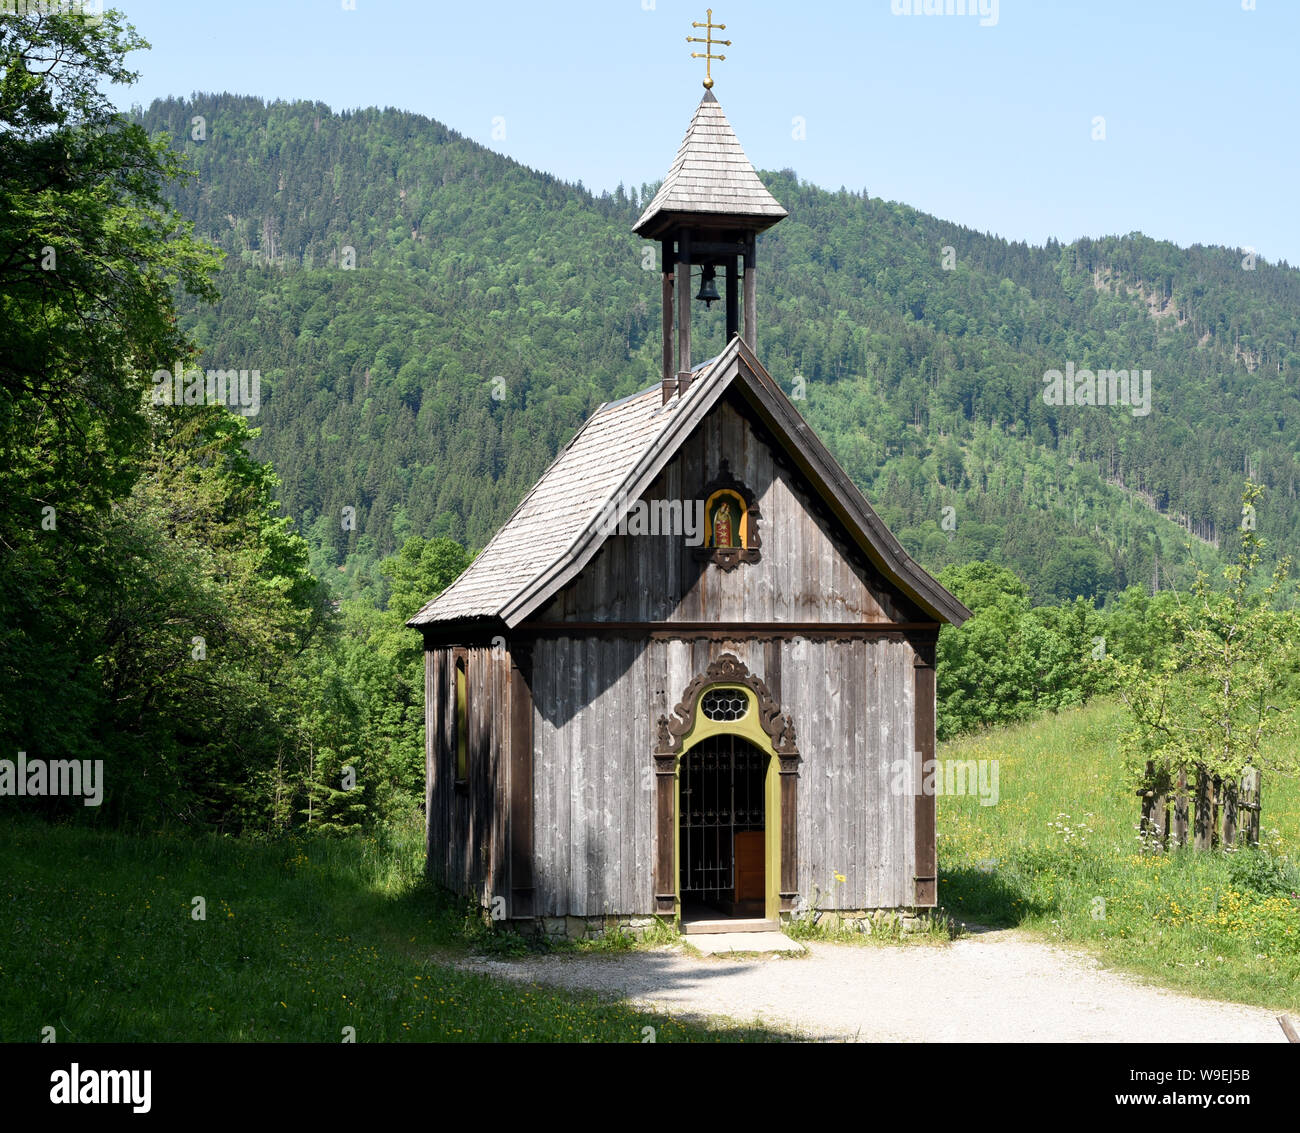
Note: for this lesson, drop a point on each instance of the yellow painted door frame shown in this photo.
(747, 728)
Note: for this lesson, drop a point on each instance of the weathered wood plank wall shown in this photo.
(467, 827)
(594, 824)
(805, 574)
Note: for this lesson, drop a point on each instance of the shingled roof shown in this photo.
(711, 176)
(561, 524)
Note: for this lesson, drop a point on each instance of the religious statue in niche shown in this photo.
(727, 513)
(731, 522)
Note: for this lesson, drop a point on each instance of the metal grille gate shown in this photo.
(722, 793)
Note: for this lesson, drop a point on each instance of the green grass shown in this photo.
(1064, 834)
(300, 940)
(305, 938)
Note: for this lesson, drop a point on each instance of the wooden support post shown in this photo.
(925, 883)
(521, 781)
(1148, 796)
(1249, 801)
(1229, 814)
(665, 834)
(1216, 813)
(1180, 811)
(788, 891)
(1160, 820)
(1202, 830)
(751, 294)
(667, 256)
(733, 300)
(683, 274)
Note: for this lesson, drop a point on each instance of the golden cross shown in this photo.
(709, 42)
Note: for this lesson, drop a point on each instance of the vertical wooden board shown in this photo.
(433, 836)
(885, 742)
(601, 755)
(636, 892)
(795, 572)
(794, 683)
(577, 736)
(685, 480)
(638, 874)
(893, 711)
(895, 832)
(633, 566)
(878, 761)
(564, 662)
(478, 783)
(542, 838)
(730, 585)
(546, 823)
(902, 680)
(906, 816)
(591, 758)
(820, 692)
(664, 604)
(656, 685)
(568, 725)
(855, 800)
(756, 471)
(453, 834)
(483, 784)
(634, 747)
(503, 749)
(680, 672)
(780, 546)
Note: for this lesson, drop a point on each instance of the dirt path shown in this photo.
(991, 987)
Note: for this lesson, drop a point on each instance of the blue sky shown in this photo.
(985, 121)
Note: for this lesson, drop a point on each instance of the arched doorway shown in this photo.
(720, 708)
(722, 832)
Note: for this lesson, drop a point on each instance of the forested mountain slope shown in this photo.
(492, 307)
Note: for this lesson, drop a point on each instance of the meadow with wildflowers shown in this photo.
(1061, 855)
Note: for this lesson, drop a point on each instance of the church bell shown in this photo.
(708, 289)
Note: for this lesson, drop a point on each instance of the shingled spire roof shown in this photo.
(711, 177)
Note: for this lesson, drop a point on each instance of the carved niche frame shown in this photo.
(726, 670)
(728, 558)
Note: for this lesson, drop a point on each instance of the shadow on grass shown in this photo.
(988, 898)
(167, 939)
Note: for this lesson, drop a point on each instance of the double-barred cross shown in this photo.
(709, 43)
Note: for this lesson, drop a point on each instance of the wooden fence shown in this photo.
(1217, 813)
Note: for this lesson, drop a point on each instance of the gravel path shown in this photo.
(991, 987)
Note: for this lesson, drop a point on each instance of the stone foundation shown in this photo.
(908, 920)
(582, 928)
(558, 929)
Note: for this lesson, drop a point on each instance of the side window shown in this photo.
(462, 722)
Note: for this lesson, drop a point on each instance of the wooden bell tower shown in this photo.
(708, 212)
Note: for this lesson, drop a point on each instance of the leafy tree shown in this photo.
(1207, 706)
(90, 253)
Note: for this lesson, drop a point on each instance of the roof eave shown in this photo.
(655, 225)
